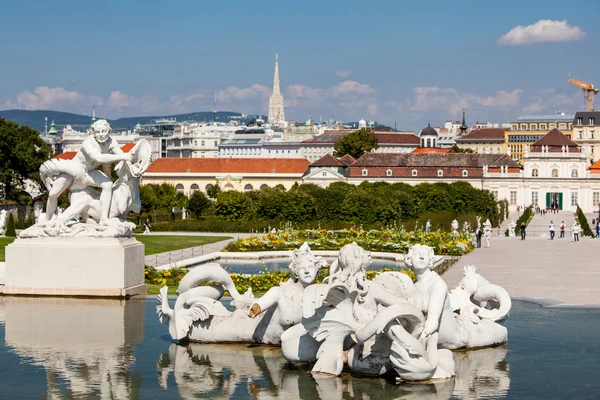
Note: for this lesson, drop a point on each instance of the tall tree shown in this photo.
(22, 151)
(356, 144)
(198, 203)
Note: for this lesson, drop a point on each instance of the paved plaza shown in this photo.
(539, 268)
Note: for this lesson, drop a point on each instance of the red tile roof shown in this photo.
(382, 138)
(483, 134)
(69, 155)
(347, 160)
(430, 150)
(327, 161)
(555, 139)
(595, 167)
(230, 165)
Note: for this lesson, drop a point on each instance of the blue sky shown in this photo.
(392, 61)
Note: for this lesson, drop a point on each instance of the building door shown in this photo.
(554, 200)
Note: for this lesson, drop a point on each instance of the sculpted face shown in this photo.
(307, 272)
(420, 257)
(101, 130)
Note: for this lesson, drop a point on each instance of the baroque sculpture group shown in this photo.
(389, 324)
(93, 213)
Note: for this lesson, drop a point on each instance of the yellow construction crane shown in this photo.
(588, 92)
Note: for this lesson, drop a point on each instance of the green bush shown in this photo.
(583, 222)
(10, 226)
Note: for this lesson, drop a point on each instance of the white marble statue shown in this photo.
(454, 226)
(511, 228)
(389, 324)
(3, 219)
(102, 213)
(199, 316)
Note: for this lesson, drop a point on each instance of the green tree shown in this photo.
(356, 144)
(10, 226)
(233, 206)
(148, 199)
(456, 149)
(213, 191)
(198, 203)
(22, 151)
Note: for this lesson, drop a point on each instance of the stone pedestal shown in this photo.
(59, 266)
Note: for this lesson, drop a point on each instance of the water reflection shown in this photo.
(85, 346)
(225, 371)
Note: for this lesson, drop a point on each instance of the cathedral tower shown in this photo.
(276, 114)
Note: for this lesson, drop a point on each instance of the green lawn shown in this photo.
(160, 244)
(4, 241)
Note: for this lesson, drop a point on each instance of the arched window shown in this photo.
(499, 151)
(263, 186)
(555, 173)
(248, 188)
(179, 188)
(414, 172)
(208, 187)
(465, 173)
(365, 172)
(193, 189)
(574, 173)
(388, 172)
(440, 172)
(227, 187)
(534, 172)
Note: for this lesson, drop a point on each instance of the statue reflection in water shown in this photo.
(223, 371)
(85, 346)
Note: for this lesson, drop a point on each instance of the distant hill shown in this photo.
(35, 119)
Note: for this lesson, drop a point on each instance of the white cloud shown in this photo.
(542, 31)
(343, 73)
(548, 101)
(116, 99)
(450, 100)
(44, 97)
(354, 97)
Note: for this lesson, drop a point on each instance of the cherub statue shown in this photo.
(199, 316)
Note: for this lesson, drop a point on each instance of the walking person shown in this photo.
(147, 226)
(598, 228)
(551, 230)
(562, 229)
(523, 227)
(428, 226)
(478, 234)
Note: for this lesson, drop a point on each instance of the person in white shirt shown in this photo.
(576, 230)
(551, 230)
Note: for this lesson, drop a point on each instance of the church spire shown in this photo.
(276, 113)
(463, 126)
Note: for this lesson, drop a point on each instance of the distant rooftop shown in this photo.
(546, 118)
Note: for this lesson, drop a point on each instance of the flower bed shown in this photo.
(387, 240)
(259, 283)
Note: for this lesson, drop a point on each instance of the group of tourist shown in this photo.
(543, 211)
(576, 228)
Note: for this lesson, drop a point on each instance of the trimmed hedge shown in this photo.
(10, 226)
(583, 222)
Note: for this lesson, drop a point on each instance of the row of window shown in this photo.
(580, 135)
(592, 121)
(535, 198)
(540, 127)
(574, 173)
(194, 188)
(414, 172)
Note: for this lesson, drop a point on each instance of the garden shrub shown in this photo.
(10, 226)
(583, 222)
